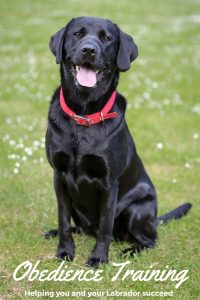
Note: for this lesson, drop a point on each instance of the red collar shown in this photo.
(89, 120)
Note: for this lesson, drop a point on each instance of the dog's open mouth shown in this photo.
(87, 75)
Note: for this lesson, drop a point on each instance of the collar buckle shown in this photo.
(84, 121)
(102, 116)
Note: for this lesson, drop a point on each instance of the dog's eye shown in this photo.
(105, 38)
(78, 34)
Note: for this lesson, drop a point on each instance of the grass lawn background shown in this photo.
(163, 115)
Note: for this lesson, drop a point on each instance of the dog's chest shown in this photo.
(80, 160)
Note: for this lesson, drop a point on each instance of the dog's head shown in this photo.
(93, 50)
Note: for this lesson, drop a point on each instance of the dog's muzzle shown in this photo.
(88, 65)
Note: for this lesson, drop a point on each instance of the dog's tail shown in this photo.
(177, 213)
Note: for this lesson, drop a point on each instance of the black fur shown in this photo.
(100, 181)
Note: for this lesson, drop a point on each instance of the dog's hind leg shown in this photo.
(140, 219)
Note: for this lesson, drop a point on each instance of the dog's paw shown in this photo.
(66, 253)
(95, 261)
(136, 249)
(63, 254)
(50, 234)
(129, 252)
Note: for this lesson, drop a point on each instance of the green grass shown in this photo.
(162, 88)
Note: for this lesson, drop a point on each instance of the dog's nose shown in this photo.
(88, 50)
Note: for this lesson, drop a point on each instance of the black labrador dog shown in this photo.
(99, 179)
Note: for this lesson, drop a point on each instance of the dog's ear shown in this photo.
(127, 51)
(56, 44)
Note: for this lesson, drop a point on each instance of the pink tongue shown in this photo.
(86, 77)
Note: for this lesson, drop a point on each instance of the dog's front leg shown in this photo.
(108, 202)
(66, 243)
